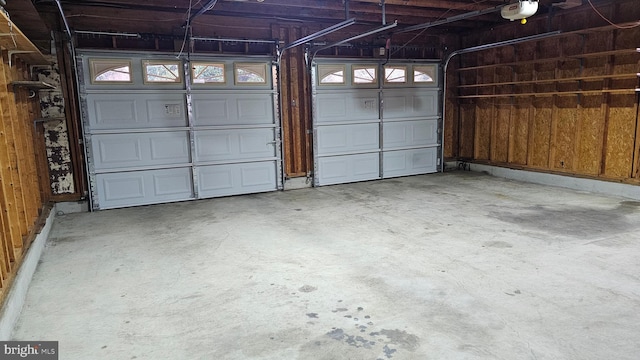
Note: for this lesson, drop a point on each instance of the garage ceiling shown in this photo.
(407, 12)
(167, 17)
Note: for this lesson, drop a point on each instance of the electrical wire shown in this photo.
(439, 17)
(186, 28)
(610, 22)
(128, 18)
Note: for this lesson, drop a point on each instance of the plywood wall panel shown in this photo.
(620, 137)
(482, 132)
(627, 38)
(500, 142)
(539, 146)
(505, 53)
(563, 145)
(527, 74)
(467, 133)
(589, 141)
(503, 74)
(626, 64)
(486, 76)
(485, 113)
(549, 48)
(568, 68)
(594, 67)
(450, 131)
(545, 71)
(451, 115)
(519, 131)
(598, 41)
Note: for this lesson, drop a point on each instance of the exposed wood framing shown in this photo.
(569, 107)
(20, 191)
(296, 107)
(21, 162)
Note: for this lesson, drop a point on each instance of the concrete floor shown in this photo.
(445, 266)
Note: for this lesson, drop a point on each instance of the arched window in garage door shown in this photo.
(110, 71)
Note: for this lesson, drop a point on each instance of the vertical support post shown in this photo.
(512, 109)
(554, 112)
(577, 134)
(532, 112)
(606, 97)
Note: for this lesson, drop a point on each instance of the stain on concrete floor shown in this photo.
(569, 221)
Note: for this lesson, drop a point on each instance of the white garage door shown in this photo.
(158, 129)
(374, 121)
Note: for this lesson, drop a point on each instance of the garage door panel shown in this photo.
(119, 187)
(409, 162)
(167, 111)
(399, 134)
(256, 143)
(338, 139)
(144, 147)
(365, 134)
(232, 179)
(170, 147)
(403, 104)
(113, 151)
(232, 109)
(211, 112)
(347, 106)
(172, 183)
(224, 145)
(256, 110)
(144, 187)
(257, 176)
(215, 180)
(348, 168)
(112, 114)
(136, 111)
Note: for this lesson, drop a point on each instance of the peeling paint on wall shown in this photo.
(55, 132)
